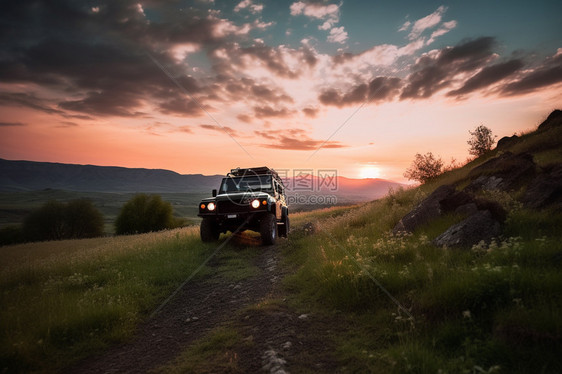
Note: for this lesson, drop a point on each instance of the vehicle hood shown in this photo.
(239, 196)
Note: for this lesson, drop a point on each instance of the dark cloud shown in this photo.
(105, 103)
(66, 124)
(96, 53)
(181, 106)
(548, 73)
(487, 76)
(244, 118)
(378, 89)
(267, 111)
(432, 73)
(274, 60)
(228, 58)
(12, 124)
(264, 93)
(27, 100)
(296, 140)
(228, 130)
(310, 112)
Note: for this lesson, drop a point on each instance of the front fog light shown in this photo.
(255, 204)
(211, 206)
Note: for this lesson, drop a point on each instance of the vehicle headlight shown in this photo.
(255, 204)
(211, 206)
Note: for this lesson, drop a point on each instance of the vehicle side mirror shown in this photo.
(214, 193)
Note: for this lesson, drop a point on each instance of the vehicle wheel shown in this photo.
(268, 229)
(209, 230)
(284, 228)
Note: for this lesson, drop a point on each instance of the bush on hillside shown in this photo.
(424, 167)
(56, 220)
(144, 213)
(83, 219)
(481, 141)
(12, 234)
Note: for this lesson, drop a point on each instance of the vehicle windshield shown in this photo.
(246, 184)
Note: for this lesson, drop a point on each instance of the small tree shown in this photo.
(481, 141)
(424, 167)
(144, 213)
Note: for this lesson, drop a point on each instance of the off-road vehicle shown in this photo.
(248, 199)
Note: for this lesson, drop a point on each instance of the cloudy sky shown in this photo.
(203, 86)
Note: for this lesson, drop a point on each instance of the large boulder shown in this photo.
(506, 172)
(479, 226)
(545, 190)
(507, 141)
(554, 119)
(426, 211)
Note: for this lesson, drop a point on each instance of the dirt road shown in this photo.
(281, 339)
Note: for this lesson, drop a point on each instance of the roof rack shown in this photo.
(261, 170)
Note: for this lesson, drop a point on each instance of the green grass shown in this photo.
(490, 308)
(211, 354)
(76, 297)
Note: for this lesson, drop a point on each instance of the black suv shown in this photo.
(248, 199)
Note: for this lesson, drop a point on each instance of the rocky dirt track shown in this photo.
(282, 340)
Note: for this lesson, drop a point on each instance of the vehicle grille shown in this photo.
(228, 206)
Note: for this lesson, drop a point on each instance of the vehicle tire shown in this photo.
(209, 230)
(284, 228)
(268, 229)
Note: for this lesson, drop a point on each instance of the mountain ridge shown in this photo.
(21, 175)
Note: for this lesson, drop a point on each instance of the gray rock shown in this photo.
(477, 227)
(457, 199)
(505, 172)
(466, 209)
(545, 190)
(507, 141)
(426, 211)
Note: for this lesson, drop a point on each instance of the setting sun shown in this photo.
(369, 171)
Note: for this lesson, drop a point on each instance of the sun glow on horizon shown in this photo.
(369, 172)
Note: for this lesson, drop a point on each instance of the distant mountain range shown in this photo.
(32, 176)
(29, 176)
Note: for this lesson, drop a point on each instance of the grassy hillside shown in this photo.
(63, 300)
(410, 306)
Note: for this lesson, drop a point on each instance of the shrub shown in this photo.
(481, 141)
(144, 213)
(83, 220)
(56, 220)
(45, 223)
(12, 234)
(424, 168)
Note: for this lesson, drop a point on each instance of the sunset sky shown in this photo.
(204, 86)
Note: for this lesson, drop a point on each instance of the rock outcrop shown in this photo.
(479, 226)
(545, 190)
(554, 119)
(482, 221)
(426, 211)
(505, 172)
(482, 218)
